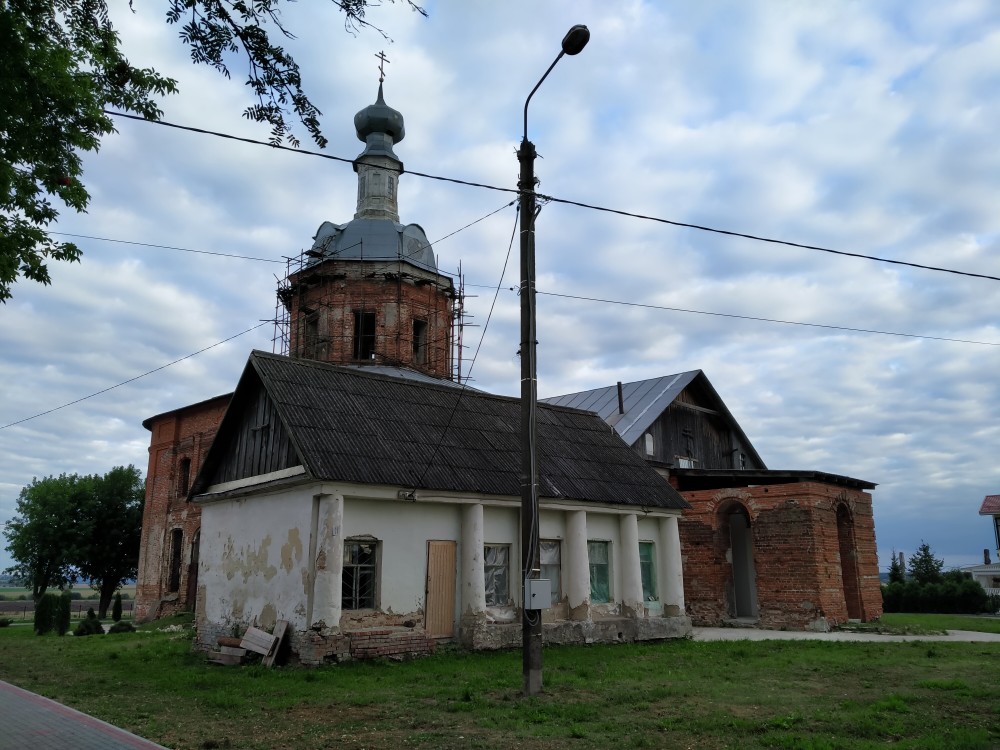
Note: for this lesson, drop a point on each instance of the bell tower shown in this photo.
(369, 292)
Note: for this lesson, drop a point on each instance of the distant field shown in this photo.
(16, 602)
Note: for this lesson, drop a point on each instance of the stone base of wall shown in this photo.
(487, 636)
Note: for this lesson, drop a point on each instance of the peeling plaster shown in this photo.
(247, 562)
(291, 551)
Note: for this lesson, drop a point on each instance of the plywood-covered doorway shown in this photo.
(439, 602)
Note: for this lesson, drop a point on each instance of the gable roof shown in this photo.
(645, 401)
(353, 425)
(990, 506)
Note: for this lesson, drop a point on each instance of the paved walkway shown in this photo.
(30, 721)
(754, 634)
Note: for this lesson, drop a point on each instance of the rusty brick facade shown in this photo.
(814, 561)
(168, 557)
(410, 309)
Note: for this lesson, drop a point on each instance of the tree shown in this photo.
(61, 67)
(896, 574)
(106, 549)
(41, 537)
(924, 567)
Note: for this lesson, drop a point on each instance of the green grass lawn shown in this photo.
(779, 694)
(920, 624)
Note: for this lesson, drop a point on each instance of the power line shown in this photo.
(579, 204)
(137, 377)
(167, 247)
(766, 320)
(472, 364)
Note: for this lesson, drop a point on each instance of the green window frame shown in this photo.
(647, 570)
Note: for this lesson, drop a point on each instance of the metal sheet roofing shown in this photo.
(354, 425)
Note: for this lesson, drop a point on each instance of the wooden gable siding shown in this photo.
(692, 427)
(258, 445)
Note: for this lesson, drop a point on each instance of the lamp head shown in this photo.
(576, 39)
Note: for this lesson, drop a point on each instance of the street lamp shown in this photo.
(531, 619)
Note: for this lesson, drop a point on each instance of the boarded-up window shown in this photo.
(364, 334)
(496, 566)
(176, 545)
(360, 575)
(550, 559)
(647, 569)
(599, 556)
(310, 335)
(420, 342)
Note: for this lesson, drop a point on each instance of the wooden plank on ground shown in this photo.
(280, 628)
(259, 641)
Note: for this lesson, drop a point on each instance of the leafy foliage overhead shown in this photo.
(62, 67)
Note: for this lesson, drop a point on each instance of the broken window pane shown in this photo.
(549, 557)
(360, 579)
(496, 566)
(600, 571)
(647, 567)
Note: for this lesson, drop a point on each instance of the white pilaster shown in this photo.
(577, 573)
(671, 572)
(473, 572)
(329, 561)
(631, 572)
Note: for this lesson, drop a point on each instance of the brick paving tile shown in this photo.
(37, 723)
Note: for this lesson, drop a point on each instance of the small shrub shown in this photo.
(116, 610)
(122, 626)
(89, 626)
(63, 613)
(46, 611)
(76, 595)
(6, 622)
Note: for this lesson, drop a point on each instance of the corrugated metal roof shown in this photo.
(354, 425)
(990, 506)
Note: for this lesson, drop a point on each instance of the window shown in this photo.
(598, 554)
(176, 545)
(496, 566)
(647, 569)
(364, 334)
(685, 462)
(420, 342)
(360, 575)
(550, 560)
(183, 476)
(310, 335)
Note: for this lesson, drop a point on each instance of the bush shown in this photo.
(956, 593)
(6, 622)
(116, 610)
(89, 626)
(63, 613)
(75, 595)
(46, 611)
(122, 626)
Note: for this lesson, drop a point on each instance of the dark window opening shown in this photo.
(360, 580)
(364, 334)
(310, 336)
(184, 476)
(420, 342)
(176, 544)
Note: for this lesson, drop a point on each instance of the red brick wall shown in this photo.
(333, 291)
(797, 554)
(184, 433)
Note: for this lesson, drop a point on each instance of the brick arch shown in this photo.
(735, 541)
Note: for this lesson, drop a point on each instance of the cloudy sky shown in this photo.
(864, 127)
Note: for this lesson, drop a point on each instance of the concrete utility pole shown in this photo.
(531, 619)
